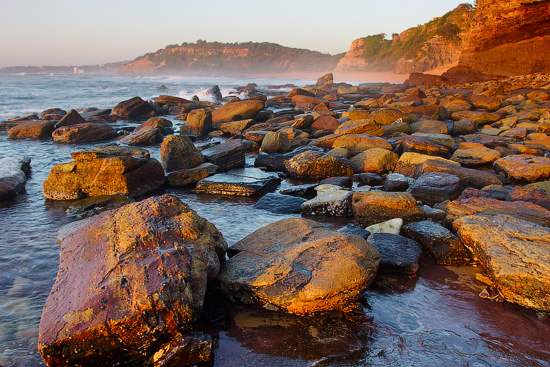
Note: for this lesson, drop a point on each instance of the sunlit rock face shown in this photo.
(130, 282)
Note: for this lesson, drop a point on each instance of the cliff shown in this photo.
(509, 37)
(215, 57)
(438, 43)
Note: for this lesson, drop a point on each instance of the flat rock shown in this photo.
(298, 266)
(418, 144)
(84, 132)
(34, 129)
(410, 161)
(444, 246)
(13, 176)
(398, 254)
(514, 253)
(134, 108)
(280, 204)
(129, 281)
(472, 157)
(371, 207)
(226, 156)
(436, 187)
(367, 127)
(238, 183)
(147, 135)
(479, 205)
(357, 143)
(330, 201)
(523, 168)
(190, 176)
(469, 177)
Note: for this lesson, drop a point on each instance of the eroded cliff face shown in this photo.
(509, 37)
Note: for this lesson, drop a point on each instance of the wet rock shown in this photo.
(275, 142)
(280, 204)
(190, 176)
(469, 177)
(51, 111)
(523, 168)
(164, 99)
(302, 191)
(299, 266)
(314, 164)
(330, 201)
(376, 160)
(189, 349)
(338, 181)
(478, 205)
(372, 179)
(126, 285)
(420, 145)
(148, 135)
(34, 129)
(354, 230)
(410, 161)
(226, 156)
(88, 207)
(244, 109)
(366, 127)
(389, 226)
(436, 187)
(238, 183)
(109, 171)
(179, 153)
(444, 246)
(513, 253)
(396, 182)
(377, 206)
(160, 123)
(199, 123)
(84, 132)
(357, 143)
(398, 254)
(71, 118)
(134, 108)
(13, 176)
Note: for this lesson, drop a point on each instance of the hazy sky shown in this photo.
(83, 32)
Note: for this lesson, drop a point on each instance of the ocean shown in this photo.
(435, 318)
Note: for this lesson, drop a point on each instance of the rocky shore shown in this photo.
(457, 172)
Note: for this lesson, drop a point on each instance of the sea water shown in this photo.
(435, 319)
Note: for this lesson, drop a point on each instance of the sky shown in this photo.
(84, 32)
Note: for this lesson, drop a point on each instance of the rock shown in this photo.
(236, 127)
(51, 111)
(160, 123)
(298, 266)
(314, 164)
(34, 129)
(302, 191)
(325, 81)
(71, 118)
(464, 127)
(535, 196)
(410, 161)
(238, 183)
(372, 179)
(523, 168)
(354, 230)
(147, 135)
(304, 122)
(190, 176)
(420, 145)
(111, 171)
(357, 143)
(13, 176)
(377, 206)
(429, 127)
(366, 127)
(514, 254)
(280, 204)
(226, 156)
(275, 142)
(387, 116)
(179, 153)
(396, 182)
(445, 247)
(88, 207)
(164, 99)
(436, 187)
(244, 109)
(376, 160)
(479, 117)
(338, 181)
(398, 254)
(199, 123)
(134, 108)
(126, 285)
(469, 177)
(84, 132)
(478, 205)
(490, 104)
(475, 156)
(457, 105)
(330, 201)
(390, 226)
(324, 123)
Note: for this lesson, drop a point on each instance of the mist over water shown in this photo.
(435, 319)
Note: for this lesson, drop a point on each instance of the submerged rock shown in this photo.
(298, 266)
(190, 176)
(13, 176)
(226, 156)
(281, 204)
(239, 183)
(398, 254)
(515, 255)
(130, 283)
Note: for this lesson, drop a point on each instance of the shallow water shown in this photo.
(434, 319)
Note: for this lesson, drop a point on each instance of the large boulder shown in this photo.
(199, 123)
(178, 153)
(13, 176)
(371, 207)
(130, 282)
(515, 255)
(104, 171)
(315, 164)
(298, 266)
(33, 129)
(134, 108)
(84, 132)
(240, 110)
